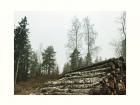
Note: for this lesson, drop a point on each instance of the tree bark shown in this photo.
(17, 69)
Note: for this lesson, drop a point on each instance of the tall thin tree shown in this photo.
(90, 36)
(21, 50)
(75, 38)
(120, 44)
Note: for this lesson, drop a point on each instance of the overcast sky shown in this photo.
(51, 28)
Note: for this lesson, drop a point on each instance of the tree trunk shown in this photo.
(48, 73)
(76, 53)
(88, 40)
(17, 69)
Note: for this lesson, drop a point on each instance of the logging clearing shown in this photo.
(91, 66)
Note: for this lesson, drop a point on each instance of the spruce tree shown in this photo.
(74, 57)
(21, 51)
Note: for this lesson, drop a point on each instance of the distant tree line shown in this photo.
(26, 62)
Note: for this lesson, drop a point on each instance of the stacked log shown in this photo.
(106, 77)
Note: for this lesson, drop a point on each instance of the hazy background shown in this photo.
(51, 28)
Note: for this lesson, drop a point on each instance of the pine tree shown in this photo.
(49, 59)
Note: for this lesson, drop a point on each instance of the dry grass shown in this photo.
(31, 86)
(25, 88)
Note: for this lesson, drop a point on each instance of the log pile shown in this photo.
(103, 78)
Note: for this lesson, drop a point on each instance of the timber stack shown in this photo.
(103, 78)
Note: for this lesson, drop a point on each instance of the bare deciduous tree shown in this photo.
(75, 37)
(117, 47)
(90, 36)
(120, 44)
(122, 22)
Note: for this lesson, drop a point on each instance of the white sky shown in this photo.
(51, 28)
